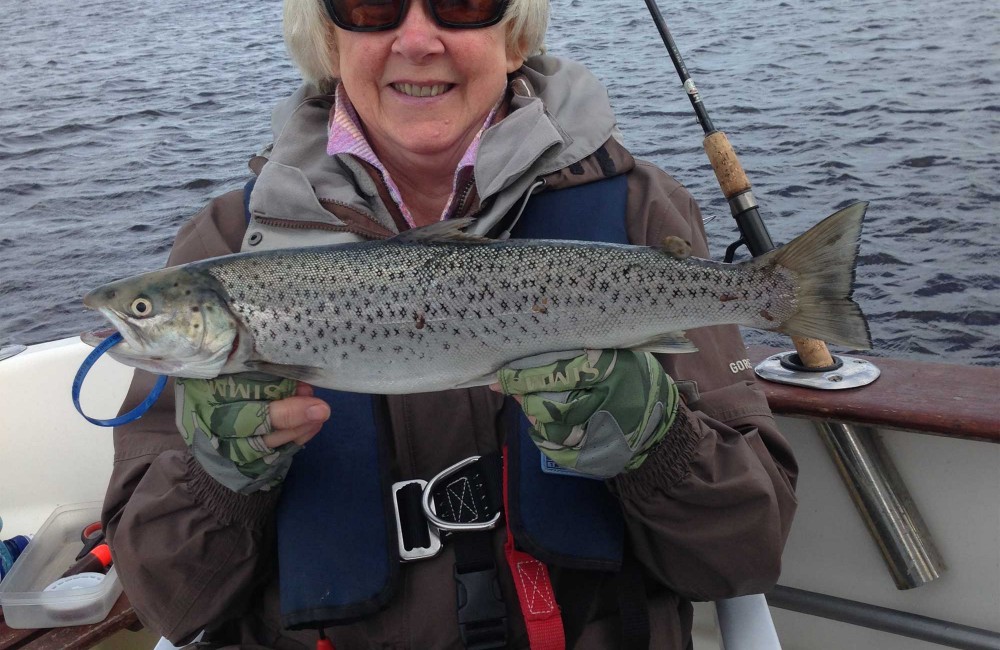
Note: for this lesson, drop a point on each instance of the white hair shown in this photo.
(312, 44)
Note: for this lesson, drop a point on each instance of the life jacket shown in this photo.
(338, 554)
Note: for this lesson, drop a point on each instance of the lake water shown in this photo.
(119, 120)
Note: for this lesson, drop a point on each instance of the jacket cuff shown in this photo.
(667, 463)
(229, 507)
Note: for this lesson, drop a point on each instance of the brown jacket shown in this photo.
(707, 514)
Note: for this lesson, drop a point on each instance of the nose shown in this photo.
(418, 35)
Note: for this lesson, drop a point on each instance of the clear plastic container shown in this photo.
(27, 604)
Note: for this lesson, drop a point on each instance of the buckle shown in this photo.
(427, 502)
(416, 537)
(482, 613)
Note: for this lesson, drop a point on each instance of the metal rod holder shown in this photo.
(884, 502)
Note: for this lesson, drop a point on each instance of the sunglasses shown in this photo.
(379, 15)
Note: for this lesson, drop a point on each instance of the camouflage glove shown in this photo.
(224, 421)
(599, 413)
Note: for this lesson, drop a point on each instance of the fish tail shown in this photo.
(823, 258)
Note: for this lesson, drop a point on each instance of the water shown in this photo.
(119, 120)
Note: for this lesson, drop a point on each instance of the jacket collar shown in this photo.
(559, 114)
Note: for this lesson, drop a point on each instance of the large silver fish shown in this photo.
(433, 309)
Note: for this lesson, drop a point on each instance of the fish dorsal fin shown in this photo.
(452, 230)
(669, 343)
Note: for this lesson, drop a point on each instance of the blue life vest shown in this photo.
(337, 549)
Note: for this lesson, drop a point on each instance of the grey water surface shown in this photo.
(118, 120)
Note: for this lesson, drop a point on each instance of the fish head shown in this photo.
(174, 321)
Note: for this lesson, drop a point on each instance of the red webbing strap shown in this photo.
(534, 589)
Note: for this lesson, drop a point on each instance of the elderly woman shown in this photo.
(413, 113)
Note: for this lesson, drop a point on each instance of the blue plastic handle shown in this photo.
(85, 367)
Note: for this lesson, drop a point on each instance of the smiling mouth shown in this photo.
(414, 90)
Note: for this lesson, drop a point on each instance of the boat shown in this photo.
(935, 429)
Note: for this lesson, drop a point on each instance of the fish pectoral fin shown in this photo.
(451, 230)
(485, 380)
(669, 343)
(307, 374)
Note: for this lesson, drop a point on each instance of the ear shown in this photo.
(514, 53)
(514, 60)
(513, 63)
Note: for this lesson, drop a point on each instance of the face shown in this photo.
(422, 89)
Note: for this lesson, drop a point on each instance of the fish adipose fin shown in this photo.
(823, 259)
(669, 343)
(452, 230)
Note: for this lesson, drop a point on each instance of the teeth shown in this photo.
(421, 91)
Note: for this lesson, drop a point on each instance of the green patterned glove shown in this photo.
(599, 413)
(224, 421)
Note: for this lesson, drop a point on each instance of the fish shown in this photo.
(435, 308)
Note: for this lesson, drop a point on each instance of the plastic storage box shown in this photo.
(23, 595)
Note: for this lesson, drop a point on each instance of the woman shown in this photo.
(413, 113)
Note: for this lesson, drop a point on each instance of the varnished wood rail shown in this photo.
(936, 398)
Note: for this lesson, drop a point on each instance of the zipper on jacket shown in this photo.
(318, 225)
(463, 196)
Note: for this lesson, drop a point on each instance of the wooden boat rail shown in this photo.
(934, 398)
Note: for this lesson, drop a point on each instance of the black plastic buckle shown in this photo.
(482, 614)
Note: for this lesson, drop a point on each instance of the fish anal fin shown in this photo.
(669, 343)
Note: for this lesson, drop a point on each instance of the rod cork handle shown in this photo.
(728, 170)
(733, 180)
(812, 353)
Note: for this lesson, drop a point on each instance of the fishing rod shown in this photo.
(733, 180)
(859, 454)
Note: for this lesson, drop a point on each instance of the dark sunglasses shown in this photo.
(379, 15)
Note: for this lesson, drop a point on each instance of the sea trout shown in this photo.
(434, 308)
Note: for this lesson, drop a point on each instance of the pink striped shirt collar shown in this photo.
(345, 135)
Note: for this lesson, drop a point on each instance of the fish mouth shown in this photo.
(125, 350)
(132, 354)
(93, 338)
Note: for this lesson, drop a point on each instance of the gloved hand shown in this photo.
(244, 428)
(600, 412)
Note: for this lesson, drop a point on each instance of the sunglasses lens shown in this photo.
(458, 13)
(365, 14)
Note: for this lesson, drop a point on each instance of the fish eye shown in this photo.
(141, 307)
